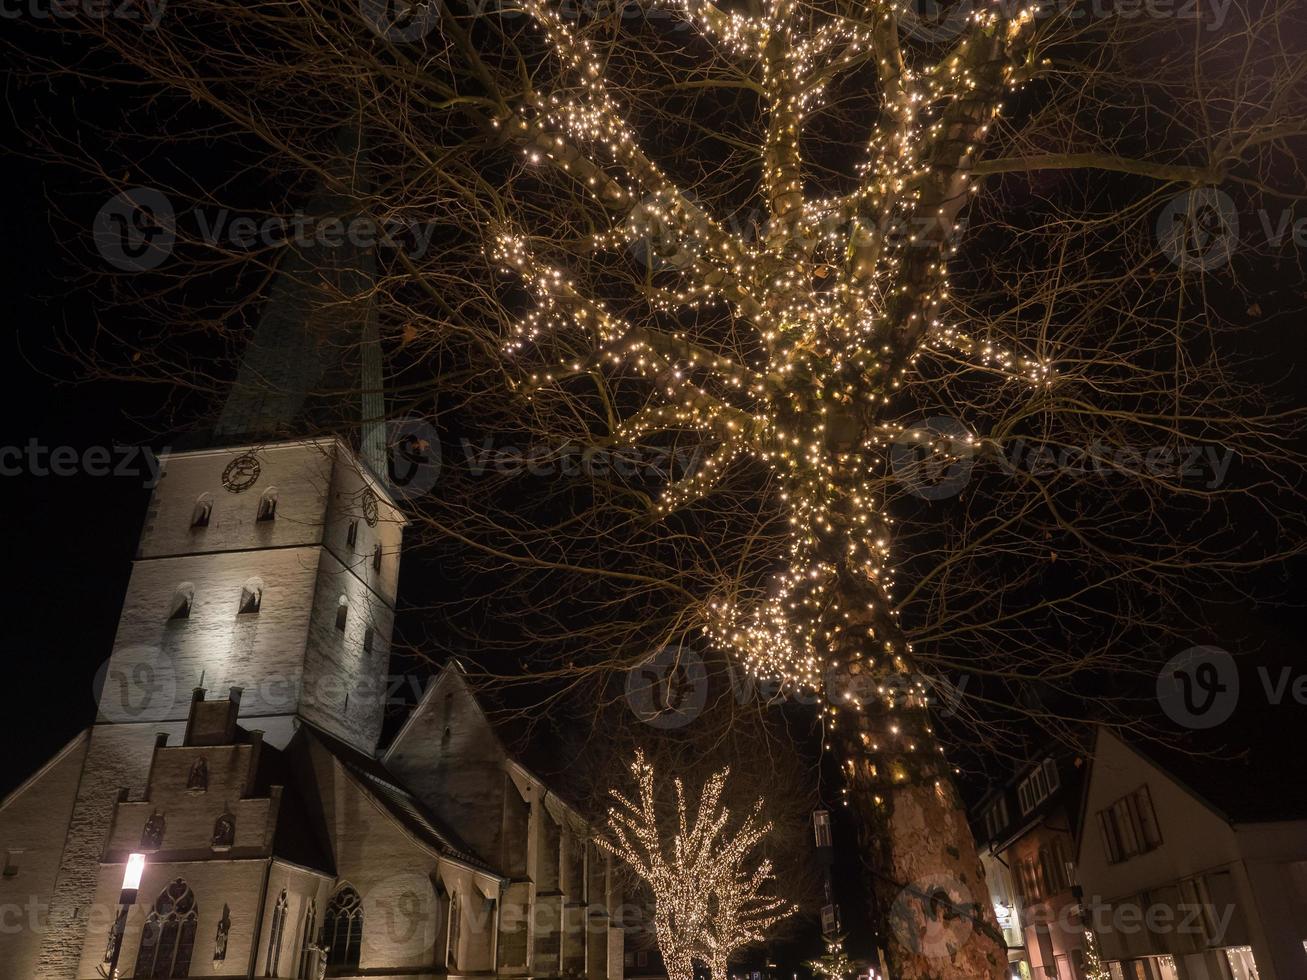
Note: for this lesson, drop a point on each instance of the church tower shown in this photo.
(267, 567)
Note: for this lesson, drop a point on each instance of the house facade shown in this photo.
(1193, 868)
(1026, 831)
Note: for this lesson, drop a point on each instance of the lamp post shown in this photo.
(126, 899)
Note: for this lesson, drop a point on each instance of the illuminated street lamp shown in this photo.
(126, 899)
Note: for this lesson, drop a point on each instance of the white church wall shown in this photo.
(33, 826)
(117, 757)
(344, 682)
(233, 887)
(350, 503)
(216, 646)
(300, 472)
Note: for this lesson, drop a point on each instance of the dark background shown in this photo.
(70, 539)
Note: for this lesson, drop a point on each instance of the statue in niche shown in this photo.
(199, 777)
(220, 940)
(152, 835)
(224, 831)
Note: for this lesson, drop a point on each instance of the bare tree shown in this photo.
(920, 324)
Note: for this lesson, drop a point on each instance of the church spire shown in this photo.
(313, 365)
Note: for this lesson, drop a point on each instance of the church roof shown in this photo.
(407, 809)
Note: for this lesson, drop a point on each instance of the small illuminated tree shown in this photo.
(706, 904)
(834, 963)
(739, 914)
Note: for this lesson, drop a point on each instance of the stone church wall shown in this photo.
(260, 652)
(117, 757)
(33, 826)
(299, 472)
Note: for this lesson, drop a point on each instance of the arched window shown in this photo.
(169, 935)
(342, 613)
(152, 834)
(369, 639)
(182, 601)
(275, 934)
(268, 505)
(224, 831)
(203, 510)
(342, 928)
(306, 942)
(352, 533)
(455, 929)
(376, 558)
(251, 595)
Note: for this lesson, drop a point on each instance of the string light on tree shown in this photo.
(843, 297)
(708, 902)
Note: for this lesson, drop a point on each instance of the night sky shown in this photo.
(71, 538)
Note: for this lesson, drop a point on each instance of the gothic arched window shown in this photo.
(306, 941)
(342, 613)
(268, 505)
(369, 639)
(275, 934)
(251, 595)
(376, 558)
(342, 928)
(203, 510)
(169, 935)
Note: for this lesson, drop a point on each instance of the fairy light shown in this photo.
(842, 303)
(707, 902)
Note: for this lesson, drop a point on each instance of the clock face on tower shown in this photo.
(370, 507)
(241, 473)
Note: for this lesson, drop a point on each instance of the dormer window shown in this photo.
(203, 511)
(376, 558)
(268, 505)
(251, 596)
(182, 601)
(352, 534)
(342, 613)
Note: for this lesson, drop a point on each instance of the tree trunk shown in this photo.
(930, 903)
(678, 967)
(931, 906)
